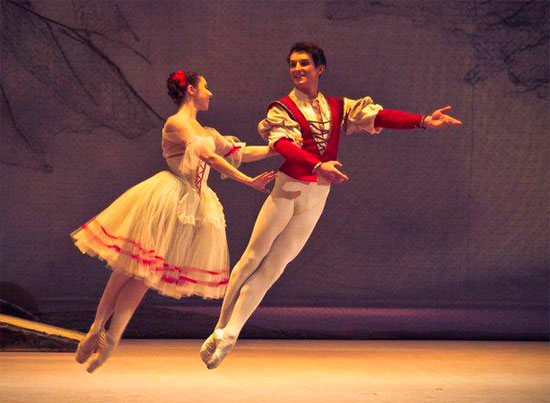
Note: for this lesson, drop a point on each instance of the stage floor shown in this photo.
(289, 371)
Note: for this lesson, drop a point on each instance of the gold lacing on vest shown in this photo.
(319, 133)
(319, 129)
(199, 176)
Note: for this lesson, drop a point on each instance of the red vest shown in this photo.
(295, 169)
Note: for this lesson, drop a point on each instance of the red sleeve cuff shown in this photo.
(233, 150)
(395, 119)
(292, 153)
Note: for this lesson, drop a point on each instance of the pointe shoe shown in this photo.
(208, 348)
(224, 345)
(83, 354)
(105, 347)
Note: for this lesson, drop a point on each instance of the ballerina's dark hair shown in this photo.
(177, 83)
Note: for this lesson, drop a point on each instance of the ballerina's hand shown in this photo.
(439, 119)
(260, 182)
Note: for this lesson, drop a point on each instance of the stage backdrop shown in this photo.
(455, 218)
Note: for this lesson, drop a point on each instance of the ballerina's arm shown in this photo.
(257, 153)
(215, 161)
(228, 145)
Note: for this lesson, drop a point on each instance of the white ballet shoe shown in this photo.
(208, 348)
(105, 348)
(224, 345)
(87, 347)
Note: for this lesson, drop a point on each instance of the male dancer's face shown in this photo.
(303, 72)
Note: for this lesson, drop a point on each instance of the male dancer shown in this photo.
(304, 127)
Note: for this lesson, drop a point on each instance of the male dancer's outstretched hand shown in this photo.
(329, 171)
(439, 119)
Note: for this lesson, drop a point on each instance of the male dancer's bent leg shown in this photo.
(307, 210)
(285, 249)
(272, 219)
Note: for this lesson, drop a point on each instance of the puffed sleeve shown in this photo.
(229, 147)
(196, 147)
(279, 125)
(186, 147)
(359, 115)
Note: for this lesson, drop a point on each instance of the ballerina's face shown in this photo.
(202, 95)
(303, 72)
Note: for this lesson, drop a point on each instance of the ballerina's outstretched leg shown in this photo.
(128, 300)
(104, 311)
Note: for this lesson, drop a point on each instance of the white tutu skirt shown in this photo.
(165, 233)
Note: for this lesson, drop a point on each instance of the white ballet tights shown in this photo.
(282, 228)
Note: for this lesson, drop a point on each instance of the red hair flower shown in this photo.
(179, 77)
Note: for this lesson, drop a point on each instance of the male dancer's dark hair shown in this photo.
(312, 49)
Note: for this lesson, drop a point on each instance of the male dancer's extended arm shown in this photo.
(395, 119)
(291, 152)
(386, 119)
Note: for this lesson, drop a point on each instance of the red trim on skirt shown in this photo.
(156, 261)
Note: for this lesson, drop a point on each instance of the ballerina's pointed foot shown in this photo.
(224, 345)
(87, 347)
(208, 348)
(105, 348)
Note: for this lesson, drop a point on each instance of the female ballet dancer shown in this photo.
(167, 232)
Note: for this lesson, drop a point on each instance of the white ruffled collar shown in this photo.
(305, 98)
